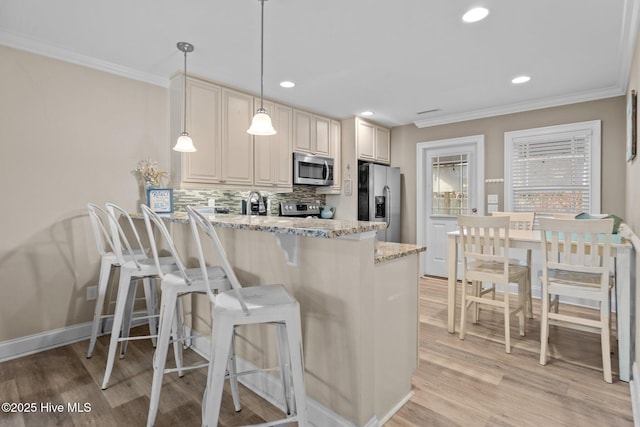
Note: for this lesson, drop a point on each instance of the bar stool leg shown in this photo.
(233, 371)
(285, 368)
(127, 315)
(167, 316)
(294, 336)
(106, 268)
(152, 307)
(121, 301)
(220, 348)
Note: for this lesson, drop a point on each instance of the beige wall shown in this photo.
(611, 111)
(69, 135)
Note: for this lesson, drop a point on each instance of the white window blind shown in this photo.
(553, 170)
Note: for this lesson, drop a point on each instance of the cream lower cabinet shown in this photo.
(273, 159)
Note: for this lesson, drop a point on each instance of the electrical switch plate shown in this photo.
(492, 198)
(92, 293)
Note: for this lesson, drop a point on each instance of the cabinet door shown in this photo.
(302, 131)
(383, 145)
(335, 141)
(283, 147)
(365, 140)
(322, 143)
(273, 154)
(237, 144)
(203, 124)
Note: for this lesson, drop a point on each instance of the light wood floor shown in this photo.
(458, 383)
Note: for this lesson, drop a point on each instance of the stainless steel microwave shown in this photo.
(311, 169)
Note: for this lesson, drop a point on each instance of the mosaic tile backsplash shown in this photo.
(233, 199)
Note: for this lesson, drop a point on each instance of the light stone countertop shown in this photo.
(387, 251)
(311, 227)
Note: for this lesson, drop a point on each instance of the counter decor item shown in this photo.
(160, 200)
(327, 212)
(149, 173)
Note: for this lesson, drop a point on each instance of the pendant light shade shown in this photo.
(261, 123)
(184, 143)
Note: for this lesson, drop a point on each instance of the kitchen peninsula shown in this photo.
(358, 300)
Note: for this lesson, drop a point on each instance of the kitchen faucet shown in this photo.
(261, 207)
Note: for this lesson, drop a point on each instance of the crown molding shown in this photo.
(523, 106)
(39, 47)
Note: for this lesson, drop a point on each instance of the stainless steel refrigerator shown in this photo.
(379, 198)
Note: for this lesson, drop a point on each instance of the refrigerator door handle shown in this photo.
(386, 190)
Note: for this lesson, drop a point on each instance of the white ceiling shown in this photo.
(393, 57)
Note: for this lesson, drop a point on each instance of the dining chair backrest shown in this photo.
(568, 245)
(199, 222)
(519, 220)
(97, 217)
(119, 237)
(151, 217)
(485, 242)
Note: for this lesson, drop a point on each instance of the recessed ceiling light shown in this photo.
(520, 79)
(367, 113)
(287, 84)
(475, 14)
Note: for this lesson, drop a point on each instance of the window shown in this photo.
(450, 184)
(553, 169)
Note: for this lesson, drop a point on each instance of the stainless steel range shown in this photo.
(300, 209)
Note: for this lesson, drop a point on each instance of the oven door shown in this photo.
(312, 170)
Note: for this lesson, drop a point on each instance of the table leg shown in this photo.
(452, 261)
(623, 311)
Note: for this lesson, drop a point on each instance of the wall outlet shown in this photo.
(92, 293)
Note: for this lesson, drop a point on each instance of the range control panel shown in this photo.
(299, 209)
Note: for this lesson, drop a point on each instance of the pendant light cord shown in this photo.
(261, 55)
(184, 108)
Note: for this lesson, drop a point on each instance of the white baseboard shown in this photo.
(396, 408)
(634, 385)
(31, 344)
(267, 387)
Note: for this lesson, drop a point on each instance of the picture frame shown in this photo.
(160, 200)
(632, 118)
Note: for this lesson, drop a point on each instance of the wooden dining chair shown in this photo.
(522, 221)
(575, 263)
(485, 258)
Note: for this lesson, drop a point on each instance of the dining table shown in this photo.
(531, 240)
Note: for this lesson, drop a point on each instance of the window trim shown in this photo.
(593, 127)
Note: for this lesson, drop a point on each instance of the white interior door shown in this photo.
(450, 182)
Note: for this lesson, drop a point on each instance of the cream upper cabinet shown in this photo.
(311, 133)
(273, 154)
(373, 142)
(383, 145)
(237, 144)
(335, 151)
(204, 126)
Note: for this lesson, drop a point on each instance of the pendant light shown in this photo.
(261, 123)
(184, 143)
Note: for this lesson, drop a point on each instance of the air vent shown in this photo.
(433, 110)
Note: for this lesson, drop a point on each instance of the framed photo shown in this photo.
(160, 200)
(632, 116)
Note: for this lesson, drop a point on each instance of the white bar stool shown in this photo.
(245, 306)
(131, 270)
(108, 261)
(174, 285)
